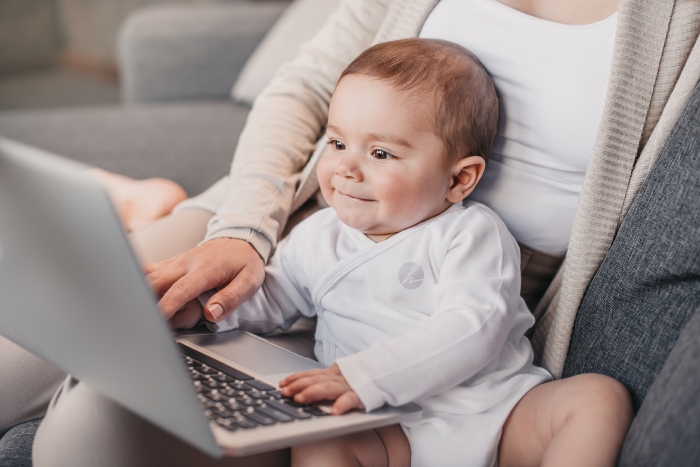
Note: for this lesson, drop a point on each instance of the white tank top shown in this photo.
(551, 79)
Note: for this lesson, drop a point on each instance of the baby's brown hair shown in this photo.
(465, 99)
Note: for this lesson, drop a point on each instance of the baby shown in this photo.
(416, 292)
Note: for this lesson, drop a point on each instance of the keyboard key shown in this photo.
(222, 412)
(276, 414)
(260, 385)
(255, 394)
(244, 422)
(249, 401)
(223, 378)
(207, 370)
(215, 395)
(275, 394)
(228, 423)
(209, 404)
(232, 404)
(315, 411)
(213, 384)
(228, 391)
(293, 403)
(286, 408)
(258, 417)
(239, 386)
(237, 374)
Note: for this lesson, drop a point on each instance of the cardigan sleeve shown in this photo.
(284, 124)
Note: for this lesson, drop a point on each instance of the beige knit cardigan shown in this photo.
(656, 64)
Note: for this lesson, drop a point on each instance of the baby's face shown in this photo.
(384, 170)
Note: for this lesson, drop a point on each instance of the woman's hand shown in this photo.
(321, 385)
(230, 265)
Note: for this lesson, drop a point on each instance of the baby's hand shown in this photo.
(321, 385)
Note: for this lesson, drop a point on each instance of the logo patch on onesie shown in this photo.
(411, 275)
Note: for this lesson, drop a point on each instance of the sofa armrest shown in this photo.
(179, 52)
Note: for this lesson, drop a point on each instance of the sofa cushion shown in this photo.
(176, 52)
(648, 286)
(191, 143)
(297, 25)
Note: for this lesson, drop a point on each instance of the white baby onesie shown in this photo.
(432, 315)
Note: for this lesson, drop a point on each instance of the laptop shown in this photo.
(73, 293)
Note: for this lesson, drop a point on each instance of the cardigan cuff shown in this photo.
(361, 382)
(257, 240)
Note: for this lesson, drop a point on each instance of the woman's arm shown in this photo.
(285, 123)
(280, 134)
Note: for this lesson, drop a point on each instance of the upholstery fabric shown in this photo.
(190, 143)
(177, 52)
(16, 445)
(666, 429)
(297, 25)
(649, 284)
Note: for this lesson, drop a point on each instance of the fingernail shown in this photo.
(216, 310)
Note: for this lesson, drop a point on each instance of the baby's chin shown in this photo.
(356, 221)
(362, 225)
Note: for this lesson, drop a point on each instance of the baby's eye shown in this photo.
(381, 154)
(337, 145)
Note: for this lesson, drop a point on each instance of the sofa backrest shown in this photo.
(296, 26)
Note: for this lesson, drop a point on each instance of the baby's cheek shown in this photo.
(324, 172)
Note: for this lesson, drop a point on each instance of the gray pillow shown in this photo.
(296, 26)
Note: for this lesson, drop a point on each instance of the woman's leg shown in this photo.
(577, 421)
(26, 385)
(383, 447)
(85, 429)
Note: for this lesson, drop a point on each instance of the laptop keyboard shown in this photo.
(237, 401)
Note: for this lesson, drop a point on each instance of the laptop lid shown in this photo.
(73, 293)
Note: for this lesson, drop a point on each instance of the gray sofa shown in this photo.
(178, 119)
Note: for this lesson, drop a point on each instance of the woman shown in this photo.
(273, 149)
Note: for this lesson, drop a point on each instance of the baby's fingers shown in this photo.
(327, 390)
(297, 376)
(303, 383)
(348, 401)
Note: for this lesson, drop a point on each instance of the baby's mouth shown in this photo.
(353, 197)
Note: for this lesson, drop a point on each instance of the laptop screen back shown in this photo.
(74, 295)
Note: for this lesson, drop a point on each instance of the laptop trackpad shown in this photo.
(252, 352)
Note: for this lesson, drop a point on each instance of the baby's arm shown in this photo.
(282, 298)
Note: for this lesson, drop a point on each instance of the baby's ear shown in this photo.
(466, 173)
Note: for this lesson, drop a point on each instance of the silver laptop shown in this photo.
(73, 293)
